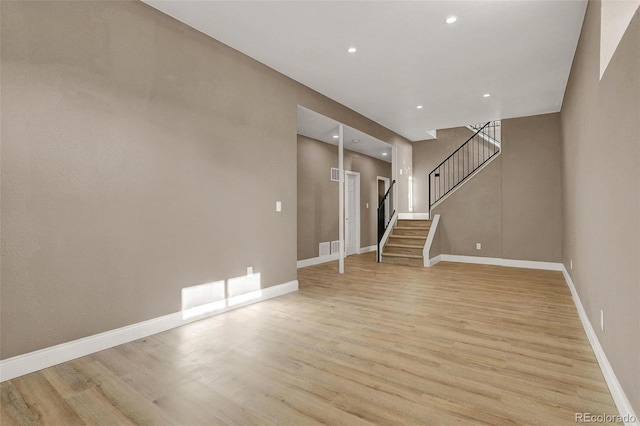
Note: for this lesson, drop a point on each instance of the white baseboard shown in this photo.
(317, 260)
(619, 397)
(513, 263)
(434, 260)
(329, 258)
(367, 249)
(47, 357)
(419, 216)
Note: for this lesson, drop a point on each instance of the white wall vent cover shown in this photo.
(335, 174)
(323, 249)
(335, 246)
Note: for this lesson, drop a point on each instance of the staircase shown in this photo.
(406, 242)
(463, 163)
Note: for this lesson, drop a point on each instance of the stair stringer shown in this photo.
(426, 251)
(385, 236)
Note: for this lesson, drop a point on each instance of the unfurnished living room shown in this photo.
(320, 212)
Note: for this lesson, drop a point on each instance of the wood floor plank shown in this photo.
(381, 344)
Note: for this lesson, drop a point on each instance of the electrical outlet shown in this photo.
(249, 270)
(601, 320)
(278, 206)
(367, 205)
(571, 264)
(478, 246)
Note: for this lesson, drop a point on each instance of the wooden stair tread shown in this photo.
(410, 237)
(403, 245)
(411, 256)
(415, 228)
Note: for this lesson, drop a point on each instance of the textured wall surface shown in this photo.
(601, 186)
(139, 157)
(513, 206)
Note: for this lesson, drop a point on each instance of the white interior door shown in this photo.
(352, 213)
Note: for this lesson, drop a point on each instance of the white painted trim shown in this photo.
(341, 198)
(435, 260)
(429, 241)
(357, 203)
(367, 249)
(486, 137)
(513, 263)
(414, 216)
(317, 260)
(619, 397)
(33, 361)
(386, 234)
(475, 172)
(395, 177)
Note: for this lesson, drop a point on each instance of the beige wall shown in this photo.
(531, 188)
(473, 214)
(601, 185)
(513, 207)
(427, 155)
(318, 195)
(138, 157)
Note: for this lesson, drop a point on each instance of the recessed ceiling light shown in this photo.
(419, 107)
(352, 50)
(486, 95)
(336, 136)
(451, 19)
(384, 154)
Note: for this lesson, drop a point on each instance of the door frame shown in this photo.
(356, 175)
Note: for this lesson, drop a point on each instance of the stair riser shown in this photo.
(403, 250)
(407, 222)
(402, 261)
(416, 232)
(413, 242)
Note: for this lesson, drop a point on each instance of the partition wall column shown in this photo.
(341, 197)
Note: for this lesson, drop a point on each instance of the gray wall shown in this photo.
(601, 184)
(139, 157)
(514, 205)
(318, 195)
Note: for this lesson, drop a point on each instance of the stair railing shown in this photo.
(383, 220)
(469, 157)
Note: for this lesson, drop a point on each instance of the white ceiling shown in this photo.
(319, 127)
(518, 51)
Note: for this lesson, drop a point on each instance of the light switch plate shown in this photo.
(278, 206)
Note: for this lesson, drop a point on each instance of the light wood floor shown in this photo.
(383, 344)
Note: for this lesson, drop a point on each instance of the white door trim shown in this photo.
(347, 173)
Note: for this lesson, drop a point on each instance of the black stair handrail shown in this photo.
(382, 223)
(480, 148)
(460, 147)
